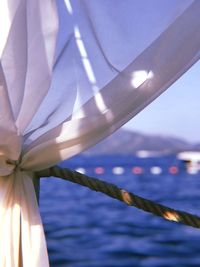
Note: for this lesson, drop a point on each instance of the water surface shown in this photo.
(88, 229)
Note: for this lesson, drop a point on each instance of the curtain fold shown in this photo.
(71, 73)
(27, 48)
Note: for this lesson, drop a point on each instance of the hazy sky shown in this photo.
(176, 112)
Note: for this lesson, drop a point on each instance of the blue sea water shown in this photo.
(88, 229)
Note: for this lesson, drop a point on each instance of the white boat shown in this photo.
(191, 160)
(149, 153)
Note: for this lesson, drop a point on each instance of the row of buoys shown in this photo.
(137, 170)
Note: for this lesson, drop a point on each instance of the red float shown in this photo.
(99, 170)
(137, 170)
(173, 170)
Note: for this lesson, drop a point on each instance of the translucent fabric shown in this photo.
(71, 73)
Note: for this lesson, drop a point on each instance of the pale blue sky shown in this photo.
(176, 112)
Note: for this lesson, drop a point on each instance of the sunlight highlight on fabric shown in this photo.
(69, 7)
(88, 69)
(84, 56)
(100, 102)
(140, 76)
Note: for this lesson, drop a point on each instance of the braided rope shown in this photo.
(122, 195)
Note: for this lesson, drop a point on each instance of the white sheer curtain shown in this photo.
(71, 73)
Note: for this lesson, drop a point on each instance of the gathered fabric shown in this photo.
(71, 73)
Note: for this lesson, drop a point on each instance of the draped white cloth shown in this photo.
(71, 73)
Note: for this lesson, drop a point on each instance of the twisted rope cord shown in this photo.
(122, 195)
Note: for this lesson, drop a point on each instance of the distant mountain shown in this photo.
(129, 142)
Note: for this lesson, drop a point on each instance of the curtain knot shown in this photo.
(7, 166)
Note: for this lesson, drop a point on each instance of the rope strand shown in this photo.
(122, 195)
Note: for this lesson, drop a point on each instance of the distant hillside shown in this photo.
(128, 142)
